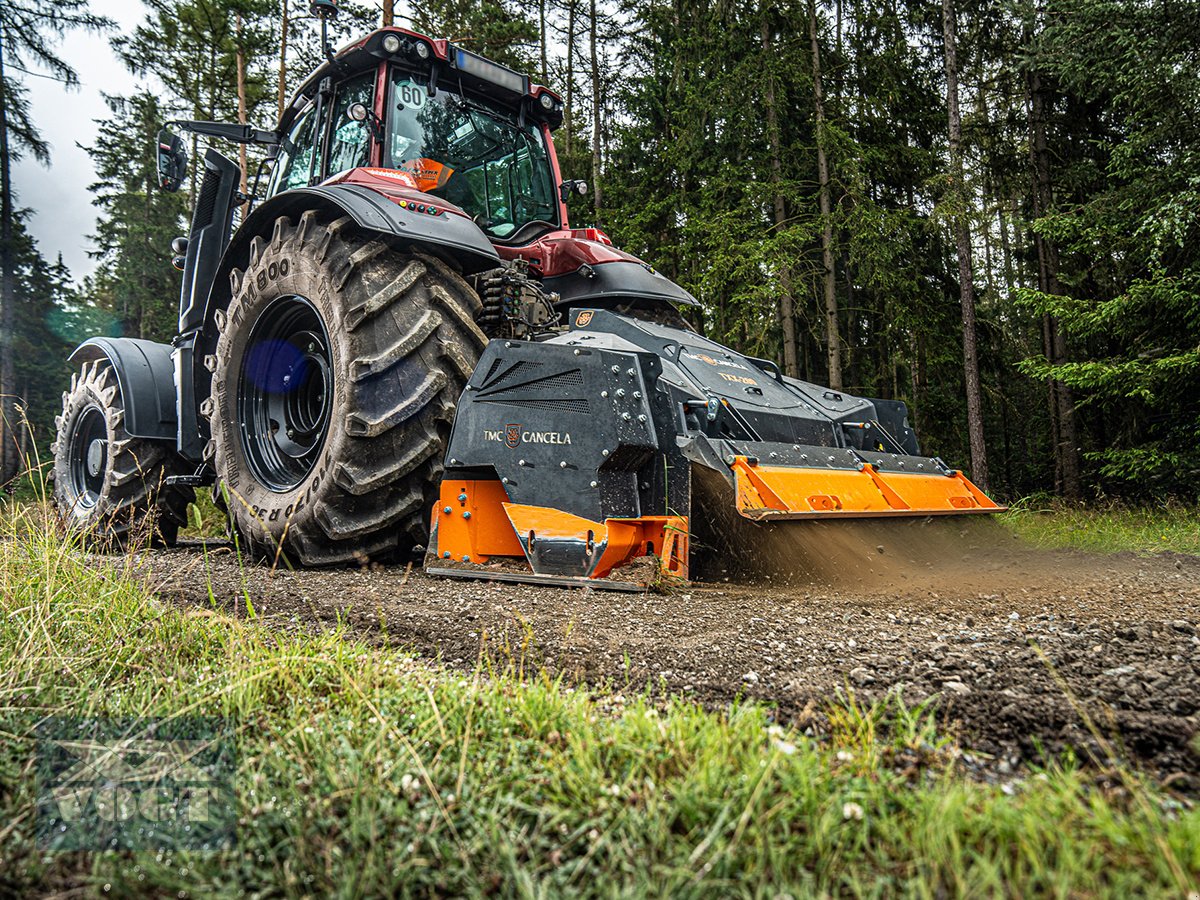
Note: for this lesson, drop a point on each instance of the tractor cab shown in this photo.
(429, 129)
(440, 130)
(432, 123)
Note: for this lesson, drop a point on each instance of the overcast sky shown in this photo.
(63, 215)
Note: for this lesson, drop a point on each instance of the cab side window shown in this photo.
(349, 141)
(293, 163)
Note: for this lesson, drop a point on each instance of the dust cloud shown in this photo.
(918, 553)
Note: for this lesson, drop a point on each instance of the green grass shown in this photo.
(1170, 527)
(204, 519)
(365, 772)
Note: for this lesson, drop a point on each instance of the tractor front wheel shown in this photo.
(335, 381)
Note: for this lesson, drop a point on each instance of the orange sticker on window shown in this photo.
(421, 174)
(429, 174)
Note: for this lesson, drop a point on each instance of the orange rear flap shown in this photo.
(792, 492)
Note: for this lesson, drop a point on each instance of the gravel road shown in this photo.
(1020, 649)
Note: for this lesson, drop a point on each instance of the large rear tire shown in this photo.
(107, 484)
(336, 378)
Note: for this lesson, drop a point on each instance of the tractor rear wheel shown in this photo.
(335, 382)
(107, 484)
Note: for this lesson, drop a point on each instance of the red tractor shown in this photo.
(406, 344)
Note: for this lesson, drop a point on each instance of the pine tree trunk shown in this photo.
(597, 195)
(1066, 443)
(9, 459)
(832, 337)
(962, 239)
(839, 72)
(985, 221)
(1010, 283)
(243, 160)
(389, 13)
(283, 42)
(569, 105)
(787, 302)
(542, 36)
(988, 284)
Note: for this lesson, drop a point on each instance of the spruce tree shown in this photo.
(138, 220)
(28, 31)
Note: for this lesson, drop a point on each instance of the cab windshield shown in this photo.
(473, 153)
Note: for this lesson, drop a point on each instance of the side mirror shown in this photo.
(567, 188)
(172, 161)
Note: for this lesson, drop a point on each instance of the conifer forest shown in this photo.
(990, 211)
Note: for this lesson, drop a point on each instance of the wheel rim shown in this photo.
(285, 392)
(88, 456)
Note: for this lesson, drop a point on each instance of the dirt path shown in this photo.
(1014, 644)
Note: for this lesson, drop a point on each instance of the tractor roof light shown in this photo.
(547, 102)
(405, 46)
(486, 70)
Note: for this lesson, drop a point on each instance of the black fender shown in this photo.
(453, 238)
(145, 376)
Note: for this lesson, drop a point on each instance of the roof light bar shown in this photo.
(485, 69)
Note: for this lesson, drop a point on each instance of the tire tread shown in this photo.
(403, 314)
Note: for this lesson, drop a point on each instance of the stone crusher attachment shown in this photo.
(574, 460)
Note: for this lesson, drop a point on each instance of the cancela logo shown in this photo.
(512, 436)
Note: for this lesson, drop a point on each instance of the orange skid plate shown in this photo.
(557, 542)
(791, 492)
(474, 523)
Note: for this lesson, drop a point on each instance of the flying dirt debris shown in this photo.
(406, 344)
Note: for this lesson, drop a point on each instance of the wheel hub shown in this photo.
(285, 393)
(95, 457)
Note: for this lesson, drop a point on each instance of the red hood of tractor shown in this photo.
(558, 252)
(564, 251)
